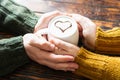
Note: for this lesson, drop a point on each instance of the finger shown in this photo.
(83, 21)
(32, 52)
(64, 47)
(60, 44)
(76, 18)
(46, 19)
(80, 19)
(60, 51)
(69, 66)
(58, 58)
(80, 31)
(49, 56)
(42, 43)
(65, 66)
(40, 56)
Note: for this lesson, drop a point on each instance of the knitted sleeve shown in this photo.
(12, 54)
(96, 66)
(108, 42)
(16, 19)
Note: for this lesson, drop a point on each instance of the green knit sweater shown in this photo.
(16, 20)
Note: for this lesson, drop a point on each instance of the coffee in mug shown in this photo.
(64, 28)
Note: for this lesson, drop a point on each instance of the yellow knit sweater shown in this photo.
(97, 66)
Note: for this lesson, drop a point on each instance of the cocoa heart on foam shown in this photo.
(63, 25)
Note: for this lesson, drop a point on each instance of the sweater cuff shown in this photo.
(12, 55)
(91, 65)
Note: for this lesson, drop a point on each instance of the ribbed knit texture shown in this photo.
(108, 42)
(96, 66)
(12, 55)
(17, 20)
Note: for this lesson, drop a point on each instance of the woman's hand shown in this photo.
(40, 51)
(64, 48)
(88, 29)
(45, 19)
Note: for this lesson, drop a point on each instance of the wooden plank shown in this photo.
(101, 10)
(34, 71)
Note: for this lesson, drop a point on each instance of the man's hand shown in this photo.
(39, 50)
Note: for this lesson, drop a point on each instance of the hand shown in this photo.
(64, 48)
(39, 50)
(88, 29)
(45, 19)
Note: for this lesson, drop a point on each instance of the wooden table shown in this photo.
(105, 13)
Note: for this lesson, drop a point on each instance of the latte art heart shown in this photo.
(63, 25)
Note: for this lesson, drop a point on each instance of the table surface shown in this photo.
(105, 13)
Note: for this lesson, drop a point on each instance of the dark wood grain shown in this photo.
(105, 13)
(34, 71)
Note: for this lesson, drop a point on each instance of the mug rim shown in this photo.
(74, 23)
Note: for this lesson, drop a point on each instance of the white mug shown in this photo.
(64, 28)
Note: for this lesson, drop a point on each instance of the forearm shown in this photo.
(12, 55)
(97, 67)
(16, 19)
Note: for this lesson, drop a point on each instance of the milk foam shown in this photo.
(62, 26)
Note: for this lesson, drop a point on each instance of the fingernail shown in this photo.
(71, 58)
